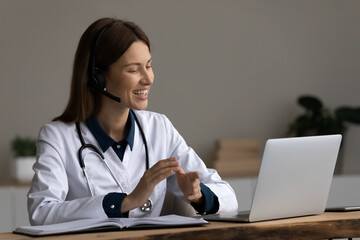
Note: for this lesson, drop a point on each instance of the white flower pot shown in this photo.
(23, 168)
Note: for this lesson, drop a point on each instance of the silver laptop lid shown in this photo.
(295, 177)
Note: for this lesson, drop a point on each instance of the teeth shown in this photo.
(141, 92)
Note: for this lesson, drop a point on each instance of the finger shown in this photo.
(196, 184)
(180, 173)
(170, 169)
(196, 187)
(192, 188)
(165, 163)
(157, 176)
(194, 175)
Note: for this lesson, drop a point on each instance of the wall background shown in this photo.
(222, 68)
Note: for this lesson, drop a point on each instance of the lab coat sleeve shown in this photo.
(47, 196)
(190, 162)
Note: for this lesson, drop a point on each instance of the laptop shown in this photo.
(294, 179)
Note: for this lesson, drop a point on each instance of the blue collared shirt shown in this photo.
(105, 141)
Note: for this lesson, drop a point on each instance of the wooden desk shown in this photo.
(327, 225)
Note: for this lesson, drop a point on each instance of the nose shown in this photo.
(148, 76)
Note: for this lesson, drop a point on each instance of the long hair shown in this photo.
(113, 43)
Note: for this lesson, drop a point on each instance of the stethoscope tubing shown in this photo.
(95, 149)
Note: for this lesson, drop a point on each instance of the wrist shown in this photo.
(130, 202)
(199, 201)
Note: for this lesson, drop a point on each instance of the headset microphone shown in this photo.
(97, 81)
(109, 95)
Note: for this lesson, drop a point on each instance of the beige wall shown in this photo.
(223, 68)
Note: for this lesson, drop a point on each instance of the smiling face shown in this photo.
(131, 76)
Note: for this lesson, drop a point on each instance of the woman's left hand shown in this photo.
(189, 184)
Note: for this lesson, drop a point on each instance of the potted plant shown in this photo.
(320, 120)
(24, 149)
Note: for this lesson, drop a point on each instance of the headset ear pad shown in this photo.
(98, 81)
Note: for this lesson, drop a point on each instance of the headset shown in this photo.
(97, 81)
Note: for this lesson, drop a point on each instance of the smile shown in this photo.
(140, 92)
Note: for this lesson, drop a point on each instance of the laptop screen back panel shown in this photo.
(295, 177)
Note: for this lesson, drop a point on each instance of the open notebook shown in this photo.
(89, 225)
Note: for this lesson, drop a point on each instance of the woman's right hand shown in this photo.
(160, 171)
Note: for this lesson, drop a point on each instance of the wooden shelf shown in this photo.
(238, 157)
(14, 184)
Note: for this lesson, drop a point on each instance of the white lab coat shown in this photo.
(59, 191)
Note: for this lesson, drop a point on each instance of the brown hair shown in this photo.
(113, 43)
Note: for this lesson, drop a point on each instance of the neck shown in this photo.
(114, 122)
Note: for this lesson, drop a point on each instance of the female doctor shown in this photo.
(105, 156)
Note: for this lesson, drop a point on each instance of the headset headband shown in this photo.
(91, 65)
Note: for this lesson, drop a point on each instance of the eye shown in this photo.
(148, 67)
(133, 70)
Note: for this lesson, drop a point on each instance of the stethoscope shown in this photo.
(148, 205)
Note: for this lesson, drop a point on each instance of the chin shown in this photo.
(139, 107)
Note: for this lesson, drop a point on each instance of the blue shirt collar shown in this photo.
(104, 140)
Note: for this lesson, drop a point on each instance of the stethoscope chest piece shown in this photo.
(147, 206)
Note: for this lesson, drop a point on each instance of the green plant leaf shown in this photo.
(304, 125)
(310, 103)
(331, 125)
(348, 114)
(23, 146)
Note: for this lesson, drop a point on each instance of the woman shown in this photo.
(107, 157)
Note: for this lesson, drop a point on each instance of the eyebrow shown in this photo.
(138, 64)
